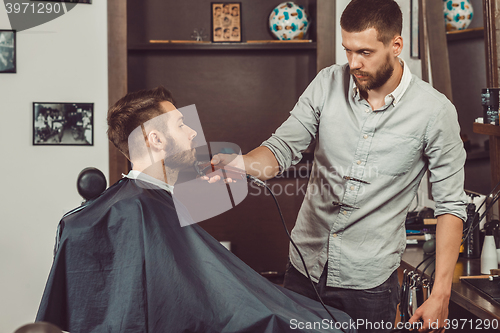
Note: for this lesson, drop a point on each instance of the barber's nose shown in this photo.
(354, 62)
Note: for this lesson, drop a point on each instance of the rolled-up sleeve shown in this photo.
(446, 155)
(299, 130)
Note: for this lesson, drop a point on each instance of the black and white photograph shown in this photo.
(7, 51)
(226, 22)
(63, 124)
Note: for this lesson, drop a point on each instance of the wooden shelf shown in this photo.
(465, 34)
(486, 129)
(221, 46)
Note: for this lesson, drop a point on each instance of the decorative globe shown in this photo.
(289, 21)
(457, 14)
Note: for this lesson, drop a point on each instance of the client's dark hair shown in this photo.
(383, 15)
(133, 110)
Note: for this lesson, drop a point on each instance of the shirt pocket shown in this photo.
(394, 154)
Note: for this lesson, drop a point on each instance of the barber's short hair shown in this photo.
(132, 111)
(383, 15)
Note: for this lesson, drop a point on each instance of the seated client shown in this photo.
(123, 263)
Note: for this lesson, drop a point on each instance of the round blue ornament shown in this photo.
(457, 14)
(289, 21)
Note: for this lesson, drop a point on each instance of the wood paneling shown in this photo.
(325, 33)
(241, 97)
(435, 47)
(489, 18)
(117, 75)
(254, 227)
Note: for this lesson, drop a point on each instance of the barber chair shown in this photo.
(91, 183)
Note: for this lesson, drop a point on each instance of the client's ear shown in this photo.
(156, 140)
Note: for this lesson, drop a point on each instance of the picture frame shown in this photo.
(414, 30)
(8, 52)
(226, 22)
(67, 124)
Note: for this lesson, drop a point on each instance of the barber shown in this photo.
(378, 129)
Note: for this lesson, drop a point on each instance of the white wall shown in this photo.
(64, 60)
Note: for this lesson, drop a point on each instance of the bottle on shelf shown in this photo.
(489, 259)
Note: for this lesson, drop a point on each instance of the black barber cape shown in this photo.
(124, 264)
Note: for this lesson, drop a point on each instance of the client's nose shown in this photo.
(193, 134)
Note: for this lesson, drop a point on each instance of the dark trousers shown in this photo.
(374, 309)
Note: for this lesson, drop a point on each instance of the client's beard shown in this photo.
(178, 158)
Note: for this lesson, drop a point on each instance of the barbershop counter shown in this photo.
(468, 306)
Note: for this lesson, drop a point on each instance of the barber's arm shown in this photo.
(446, 159)
(434, 311)
(260, 162)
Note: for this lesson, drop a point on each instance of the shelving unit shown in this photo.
(486, 129)
(465, 34)
(262, 80)
(466, 56)
(494, 133)
(222, 46)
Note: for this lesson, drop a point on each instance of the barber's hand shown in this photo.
(233, 166)
(231, 160)
(433, 314)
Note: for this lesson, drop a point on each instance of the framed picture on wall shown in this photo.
(226, 22)
(7, 51)
(70, 124)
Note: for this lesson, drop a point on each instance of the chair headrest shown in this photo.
(91, 183)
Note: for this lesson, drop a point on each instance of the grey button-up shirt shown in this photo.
(367, 167)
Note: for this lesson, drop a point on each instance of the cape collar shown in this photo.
(135, 174)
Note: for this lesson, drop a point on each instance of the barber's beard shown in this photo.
(374, 81)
